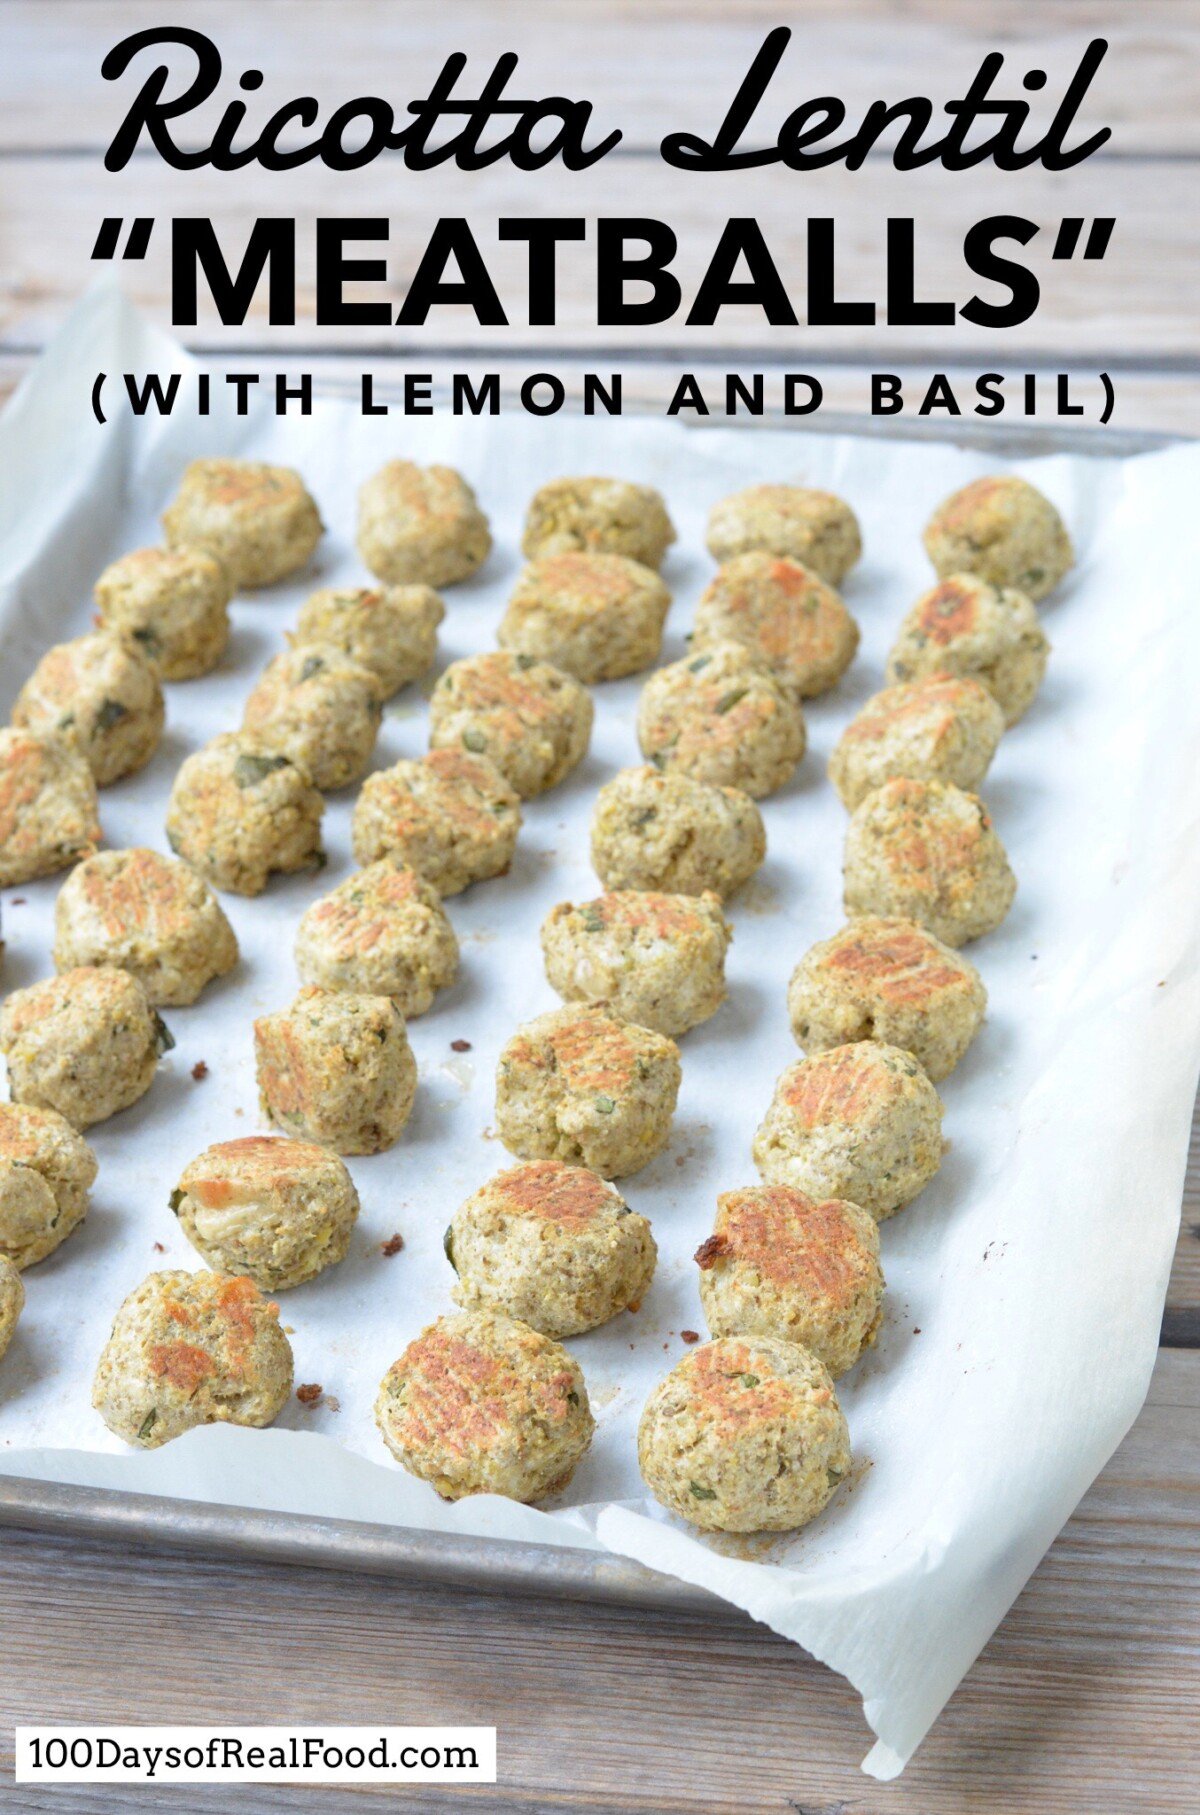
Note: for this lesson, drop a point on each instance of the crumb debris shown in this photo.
(689, 1335)
(460, 1046)
(311, 1394)
(392, 1245)
(199, 1070)
(158, 1248)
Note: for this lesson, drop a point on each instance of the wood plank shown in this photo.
(1135, 310)
(615, 54)
(1089, 1688)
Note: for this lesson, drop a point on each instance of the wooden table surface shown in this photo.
(1087, 1697)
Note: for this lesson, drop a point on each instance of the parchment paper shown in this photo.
(1025, 1284)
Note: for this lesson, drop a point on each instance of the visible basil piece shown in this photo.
(593, 921)
(525, 662)
(147, 1424)
(249, 770)
(701, 1493)
(643, 817)
(833, 1476)
(111, 713)
(313, 665)
(700, 662)
(729, 700)
(448, 1246)
(176, 1199)
(474, 740)
(164, 1039)
(604, 1105)
(148, 640)
(749, 1379)
(573, 1398)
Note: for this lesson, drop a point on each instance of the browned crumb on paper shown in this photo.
(460, 1046)
(392, 1245)
(200, 1070)
(689, 1335)
(311, 1394)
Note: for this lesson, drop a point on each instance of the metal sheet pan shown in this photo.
(473, 1564)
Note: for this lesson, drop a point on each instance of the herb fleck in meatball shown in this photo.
(318, 707)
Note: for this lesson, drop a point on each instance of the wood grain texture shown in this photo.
(1087, 1690)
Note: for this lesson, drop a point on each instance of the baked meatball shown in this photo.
(142, 913)
(390, 630)
(744, 1434)
(48, 816)
(315, 705)
(450, 817)
(189, 1349)
(939, 729)
(239, 810)
(173, 603)
(1002, 530)
(421, 525)
(585, 1086)
(782, 1264)
(337, 1068)
(597, 617)
(791, 521)
(86, 1043)
(100, 695)
(598, 517)
(278, 1211)
(40, 1143)
(382, 932)
(719, 718)
(859, 1122)
(655, 959)
(926, 851)
(888, 980)
(529, 719)
(482, 1404)
(258, 521)
(12, 1302)
(553, 1245)
(668, 832)
(786, 617)
(964, 626)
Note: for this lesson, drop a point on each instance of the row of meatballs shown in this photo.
(630, 976)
